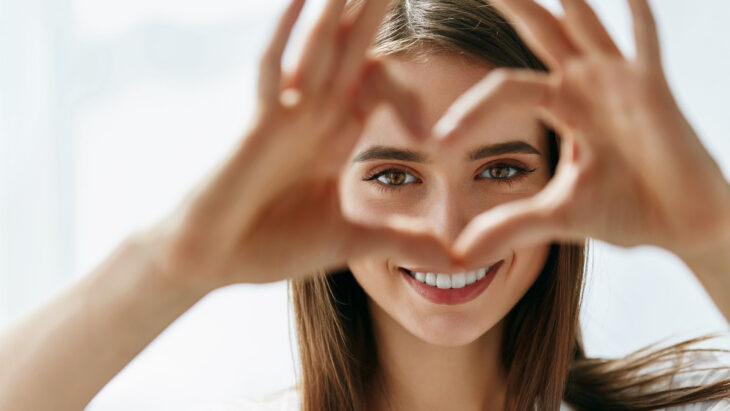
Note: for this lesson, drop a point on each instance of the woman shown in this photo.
(435, 243)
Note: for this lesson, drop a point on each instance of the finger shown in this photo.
(501, 90)
(648, 49)
(541, 30)
(270, 63)
(585, 28)
(318, 56)
(408, 239)
(381, 86)
(509, 226)
(358, 37)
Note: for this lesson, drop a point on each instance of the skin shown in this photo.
(274, 208)
(622, 177)
(440, 356)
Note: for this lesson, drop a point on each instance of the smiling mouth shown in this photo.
(446, 281)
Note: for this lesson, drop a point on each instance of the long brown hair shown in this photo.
(542, 345)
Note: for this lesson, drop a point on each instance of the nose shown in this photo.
(449, 214)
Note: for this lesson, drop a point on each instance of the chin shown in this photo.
(448, 330)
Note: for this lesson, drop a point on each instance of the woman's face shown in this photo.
(446, 186)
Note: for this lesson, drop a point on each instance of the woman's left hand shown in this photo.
(631, 171)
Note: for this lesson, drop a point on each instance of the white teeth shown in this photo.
(445, 281)
(458, 280)
(481, 273)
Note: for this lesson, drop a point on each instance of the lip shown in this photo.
(451, 296)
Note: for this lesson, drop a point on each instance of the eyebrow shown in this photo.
(380, 152)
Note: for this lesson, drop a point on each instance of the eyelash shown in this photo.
(520, 173)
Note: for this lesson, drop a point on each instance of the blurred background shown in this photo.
(110, 111)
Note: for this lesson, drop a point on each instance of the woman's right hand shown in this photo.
(271, 211)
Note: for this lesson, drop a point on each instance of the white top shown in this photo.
(288, 399)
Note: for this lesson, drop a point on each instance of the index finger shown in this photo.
(502, 89)
(270, 63)
(540, 29)
(358, 37)
(648, 49)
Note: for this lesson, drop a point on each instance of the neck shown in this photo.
(422, 376)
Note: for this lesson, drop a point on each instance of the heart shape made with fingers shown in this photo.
(601, 104)
(622, 136)
(442, 186)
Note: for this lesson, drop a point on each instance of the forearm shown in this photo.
(63, 353)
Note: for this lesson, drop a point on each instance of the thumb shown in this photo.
(408, 239)
(506, 227)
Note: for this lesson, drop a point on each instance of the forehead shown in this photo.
(439, 80)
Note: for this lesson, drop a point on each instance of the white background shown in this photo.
(110, 111)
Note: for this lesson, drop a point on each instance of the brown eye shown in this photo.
(393, 178)
(504, 173)
(501, 172)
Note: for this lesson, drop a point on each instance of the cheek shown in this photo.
(389, 304)
(375, 278)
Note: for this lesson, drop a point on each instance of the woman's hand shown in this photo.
(272, 211)
(631, 171)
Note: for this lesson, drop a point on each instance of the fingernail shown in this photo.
(443, 128)
(290, 97)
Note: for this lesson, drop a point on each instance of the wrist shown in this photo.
(151, 249)
(713, 257)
